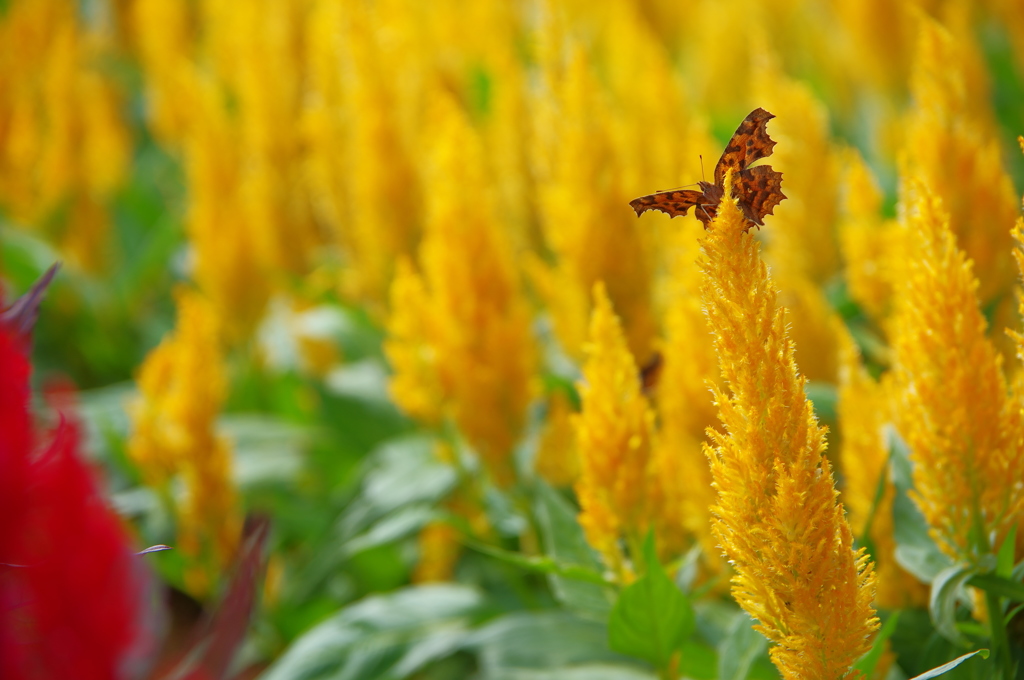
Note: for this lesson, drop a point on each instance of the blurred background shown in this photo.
(333, 261)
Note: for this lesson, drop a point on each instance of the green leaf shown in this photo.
(267, 450)
(364, 380)
(652, 617)
(864, 539)
(997, 585)
(400, 473)
(378, 636)
(915, 550)
(394, 527)
(688, 569)
(539, 563)
(1004, 562)
(104, 415)
(402, 481)
(714, 619)
(542, 640)
(741, 646)
(867, 663)
(25, 257)
(435, 645)
(564, 542)
(946, 667)
(698, 660)
(582, 672)
(824, 396)
(947, 592)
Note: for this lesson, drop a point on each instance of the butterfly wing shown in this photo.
(749, 143)
(672, 203)
(760, 190)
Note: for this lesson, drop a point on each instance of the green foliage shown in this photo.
(390, 635)
(946, 667)
(564, 541)
(915, 550)
(652, 617)
(741, 647)
(869, 661)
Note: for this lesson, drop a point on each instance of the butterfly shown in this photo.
(758, 190)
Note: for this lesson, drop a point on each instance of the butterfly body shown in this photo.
(758, 190)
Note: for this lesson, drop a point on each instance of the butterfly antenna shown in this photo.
(701, 157)
(658, 191)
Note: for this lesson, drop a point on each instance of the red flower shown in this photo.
(73, 596)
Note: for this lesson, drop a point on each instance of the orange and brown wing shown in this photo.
(749, 143)
(759, 190)
(672, 203)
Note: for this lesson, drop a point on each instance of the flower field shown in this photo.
(359, 364)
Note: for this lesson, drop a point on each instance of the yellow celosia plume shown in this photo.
(581, 194)
(466, 350)
(949, 143)
(803, 240)
(226, 265)
(360, 160)
(777, 517)
(1018, 255)
(866, 239)
(164, 32)
(880, 41)
(685, 406)
(557, 459)
(415, 382)
(804, 248)
(962, 426)
(64, 144)
(440, 548)
(614, 434)
(229, 99)
(864, 411)
(182, 388)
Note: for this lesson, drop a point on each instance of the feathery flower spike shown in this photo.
(777, 518)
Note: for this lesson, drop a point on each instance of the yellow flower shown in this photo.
(230, 101)
(803, 237)
(804, 249)
(64, 147)
(864, 410)
(262, 74)
(951, 147)
(867, 241)
(880, 35)
(495, 82)
(439, 552)
(581, 197)
(956, 415)
(722, 23)
(163, 32)
(816, 331)
(415, 383)
(614, 432)
(182, 386)
(226, 264)
(685, 408)
(476, 351)
(368, 174)
(180, 48)
(777, 517)
(557, 458)
(1018, 255)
